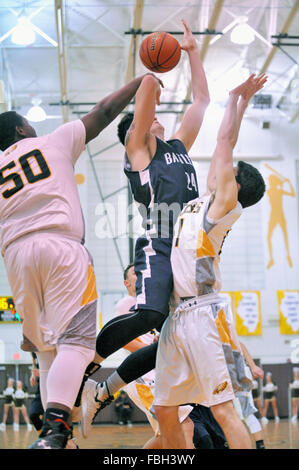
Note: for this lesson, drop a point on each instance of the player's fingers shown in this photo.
(188, 30)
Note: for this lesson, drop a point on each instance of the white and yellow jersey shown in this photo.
(196, 248)
(38, 187)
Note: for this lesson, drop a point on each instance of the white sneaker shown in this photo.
(264, 420)
(29, 427)
(15, 426)
(293, 419)
(2, 427)
(92, 402)
(277, 419)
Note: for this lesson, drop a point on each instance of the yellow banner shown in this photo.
(288, 306)
(248, 313)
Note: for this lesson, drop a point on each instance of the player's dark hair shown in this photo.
(123, 126)
(9, 120)
(127, 269)
(252, 184)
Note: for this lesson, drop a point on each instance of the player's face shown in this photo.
(157, 129)
(131, 276)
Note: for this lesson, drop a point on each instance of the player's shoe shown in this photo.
(29, 427)
(277, 419)
(2, 427)
(264, 420)
(93, 402)
(54, 435)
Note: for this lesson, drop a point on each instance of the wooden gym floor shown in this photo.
(282, 435)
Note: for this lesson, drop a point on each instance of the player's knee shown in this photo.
(151, 318)
(224, 413)
(166, 414)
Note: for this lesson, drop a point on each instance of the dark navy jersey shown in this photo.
(163, 188)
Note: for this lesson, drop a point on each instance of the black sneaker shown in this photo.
(54, 435)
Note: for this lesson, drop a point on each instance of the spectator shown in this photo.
(123, 408)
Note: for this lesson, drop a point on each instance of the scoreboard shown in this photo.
(8, 313)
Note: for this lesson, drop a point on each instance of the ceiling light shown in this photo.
(36, 113)
(23, 33)
(242, 34)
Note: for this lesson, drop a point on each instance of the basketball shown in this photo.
(160, 52)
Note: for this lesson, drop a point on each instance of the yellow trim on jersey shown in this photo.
(204, 245)
(145, 395)
(90, 293)
(223, 330)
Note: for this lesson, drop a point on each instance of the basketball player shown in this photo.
(42, 240)
(244, 403)
(198, 424)
(199, 357)
(163, 180)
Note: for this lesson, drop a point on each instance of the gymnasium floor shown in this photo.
(282, 435)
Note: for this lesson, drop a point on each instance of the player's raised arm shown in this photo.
(109, 108)
(221, 177)
(193, 117)
(140, 144)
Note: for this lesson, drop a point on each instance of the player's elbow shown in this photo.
(202, 100)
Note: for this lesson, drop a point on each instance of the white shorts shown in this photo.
(141, 392)
(54, 290)
(199, 357)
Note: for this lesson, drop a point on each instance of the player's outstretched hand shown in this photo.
(189, 42)
(160, 81)
(251, 86)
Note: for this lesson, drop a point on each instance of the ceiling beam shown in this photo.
(284, 30)
(294, 117)
(61, 59)
(3, 102)
(137, 20)
(204, 48)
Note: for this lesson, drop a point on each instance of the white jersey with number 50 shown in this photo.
(38, 187)
(196, 248)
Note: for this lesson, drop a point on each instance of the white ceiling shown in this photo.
(97, 51)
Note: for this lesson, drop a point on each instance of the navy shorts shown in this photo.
(154, 274)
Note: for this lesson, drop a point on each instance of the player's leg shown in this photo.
(36, 411)
(171, 430)
(188, 431)
(121, 330)
(234, 430)
(97, 396)
(70, 305)
(153, 289)
(255, 429)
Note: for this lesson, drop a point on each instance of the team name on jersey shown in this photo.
(177, 158)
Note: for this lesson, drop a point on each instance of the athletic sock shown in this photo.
(260, 444)
(113, 384)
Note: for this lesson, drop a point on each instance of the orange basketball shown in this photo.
(160, 52)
